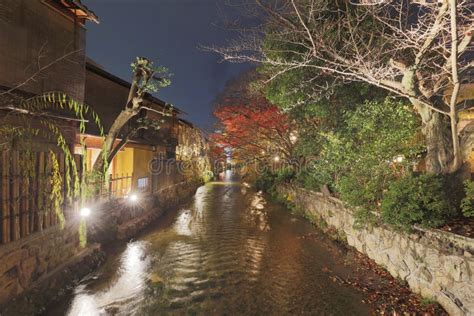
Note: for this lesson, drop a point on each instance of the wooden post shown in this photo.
(24, 199)
(15, 196)
(5, 197)
(63, 185)
(40, 192)
(78, 160)
(110, 186)
(121, 185)
(47, 191)
(33, 207)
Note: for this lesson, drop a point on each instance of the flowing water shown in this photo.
(230, 251)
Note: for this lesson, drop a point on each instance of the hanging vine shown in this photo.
(40, 109)
(56, 188)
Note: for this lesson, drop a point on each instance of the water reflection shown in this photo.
(228, 175)
(257, 213)
(228, 252)
(183, 223)
(254, 254)
(200, 198)
(129, 287)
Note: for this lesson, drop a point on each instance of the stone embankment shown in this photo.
(435, 264)
(27, 262)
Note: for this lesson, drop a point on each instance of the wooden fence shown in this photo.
(120, 185)
(25, 195)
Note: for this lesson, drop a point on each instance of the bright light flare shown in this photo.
(133, 198)
(276, 159)
(398, 159)
(85, 212)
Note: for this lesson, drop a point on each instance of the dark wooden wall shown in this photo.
(32, 32)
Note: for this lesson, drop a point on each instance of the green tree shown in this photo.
(147, 78)
(376, 144)
(417, 51)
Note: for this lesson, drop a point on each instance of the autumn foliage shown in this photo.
(251, 128)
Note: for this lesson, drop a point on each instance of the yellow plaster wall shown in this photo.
(123, 162)
(470, 160)
(142, 158)
(91, 157)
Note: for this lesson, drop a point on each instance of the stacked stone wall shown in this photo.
(435, 264)
(28, 260)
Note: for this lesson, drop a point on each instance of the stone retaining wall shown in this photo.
(435, 264)
(25, 261)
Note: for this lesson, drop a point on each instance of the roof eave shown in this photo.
(77, 4)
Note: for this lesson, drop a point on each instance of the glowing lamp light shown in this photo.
(276, 159)
(85, 212)
(398, 159)
(293, 138)
(133, 198)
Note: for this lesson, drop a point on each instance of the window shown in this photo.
(142, 184)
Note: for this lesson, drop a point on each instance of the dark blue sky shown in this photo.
(168, 32)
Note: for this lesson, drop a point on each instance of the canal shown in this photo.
(229, 251)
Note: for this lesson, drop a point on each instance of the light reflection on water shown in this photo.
(183, 223)
(231, 252)
(129, 286)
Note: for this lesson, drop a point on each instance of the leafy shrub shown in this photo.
(364, 218)
(284, 175)
(207, 176)
(420, 200)
(358, 160)
(265, 180)
(467, 203)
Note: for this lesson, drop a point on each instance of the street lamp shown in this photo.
(276, 159)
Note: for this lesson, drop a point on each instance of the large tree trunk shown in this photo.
(112, 135)
(439, 145)
(436, 129)
(132, 107)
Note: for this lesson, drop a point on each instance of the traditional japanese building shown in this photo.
(107, 95)
(42, 45)
(42, 49)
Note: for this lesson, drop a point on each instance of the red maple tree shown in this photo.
(252, 128)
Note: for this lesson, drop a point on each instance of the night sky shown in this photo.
(169, 33)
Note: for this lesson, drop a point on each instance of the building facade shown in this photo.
(42, 45)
